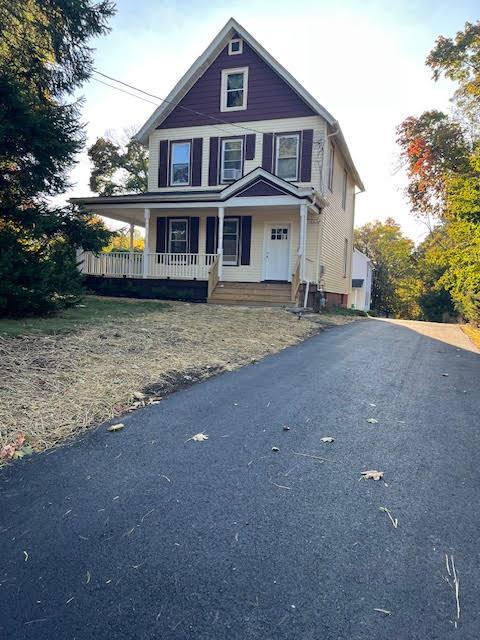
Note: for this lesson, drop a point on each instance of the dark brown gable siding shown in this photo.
(269, 96)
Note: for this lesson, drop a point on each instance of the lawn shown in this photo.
(61, 375)
(92, 311)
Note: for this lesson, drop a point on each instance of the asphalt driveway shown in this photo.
(140, 534)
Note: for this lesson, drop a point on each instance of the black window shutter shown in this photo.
(246, 222)
(197, 162)
(306, 164)
(163, 164)
(210, 244)
(213, 162)
(193, 232)
(267, 152)
(250, 146)
(161, 234)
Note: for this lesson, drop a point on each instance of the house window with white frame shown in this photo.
(331, 165)
(180, 163)
(235, 46)
(234, 89)
(286, 154)
(178, 235)
(231, 241)
(232, 160)
(344, 189)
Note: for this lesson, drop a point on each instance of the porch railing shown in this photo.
(181, 266)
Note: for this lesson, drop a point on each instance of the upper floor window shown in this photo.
(286, 154)
(344, 189)
(232, 160)
(331, 165)
(234, 89)
(235, 46)
(180, 163)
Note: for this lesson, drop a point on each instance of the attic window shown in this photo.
(234, 89)
(235, 47)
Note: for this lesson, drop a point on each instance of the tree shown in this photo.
(119, 165)
(121, 241)
(394, 285)
(44, 58)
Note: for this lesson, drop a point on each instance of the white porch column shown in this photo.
(221, 212)
(145, 244)
(302, 242)
(130, 250)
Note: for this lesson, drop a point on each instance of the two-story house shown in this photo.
(251, 191)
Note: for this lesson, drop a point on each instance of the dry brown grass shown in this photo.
(53, 386)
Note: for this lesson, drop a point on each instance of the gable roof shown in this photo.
(202, 63)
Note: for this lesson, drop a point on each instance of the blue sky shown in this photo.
(364, 61)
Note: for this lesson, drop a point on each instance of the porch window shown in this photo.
(180, 163)
(234, 89)
(232, 160)
(178, 236)
(231, 241)
(287, 156)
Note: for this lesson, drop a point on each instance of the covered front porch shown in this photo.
(260, 235)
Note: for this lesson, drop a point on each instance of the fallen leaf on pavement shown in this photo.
(372, 420)
(198, 437)
(327, 439)
(275, 449)
(116, 427)
(372, 475)
(445, 375)
(138, 395)
(286, 427)
(385, 611)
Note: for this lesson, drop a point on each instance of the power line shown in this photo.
(127, 92)
(193, 111)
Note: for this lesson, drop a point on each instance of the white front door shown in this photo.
(277, 251)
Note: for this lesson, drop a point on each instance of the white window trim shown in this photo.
(170, 234)
(297, 157)
(223, 92)
(181, 184)
(222, 158)
(331, 165)
(240, 49)
(344, 189)
(237, 258)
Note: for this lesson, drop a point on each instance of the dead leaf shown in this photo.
(275, 449)
(198, 437)
(286, 427)
(385, 611)
(138, 395)
(327, 439)
(445, 375)
(372, 404)
(372, 420)
(372, 475)
(116, 427)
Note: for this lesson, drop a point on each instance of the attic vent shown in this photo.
(235, 46)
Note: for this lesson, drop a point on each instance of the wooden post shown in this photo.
(145, 246)
(221, 213)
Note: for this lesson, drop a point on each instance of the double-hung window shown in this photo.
(178, 235)
(180, 163)
(231, 240)
(286, 153)
(232, 160)
(234, 89)
(331, 165)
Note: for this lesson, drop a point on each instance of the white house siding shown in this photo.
(224, 130)
(337, 225)
(254, 272)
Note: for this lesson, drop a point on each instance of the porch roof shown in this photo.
(256, 189)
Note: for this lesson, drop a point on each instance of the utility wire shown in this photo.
(123, 91)
(193, 111)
